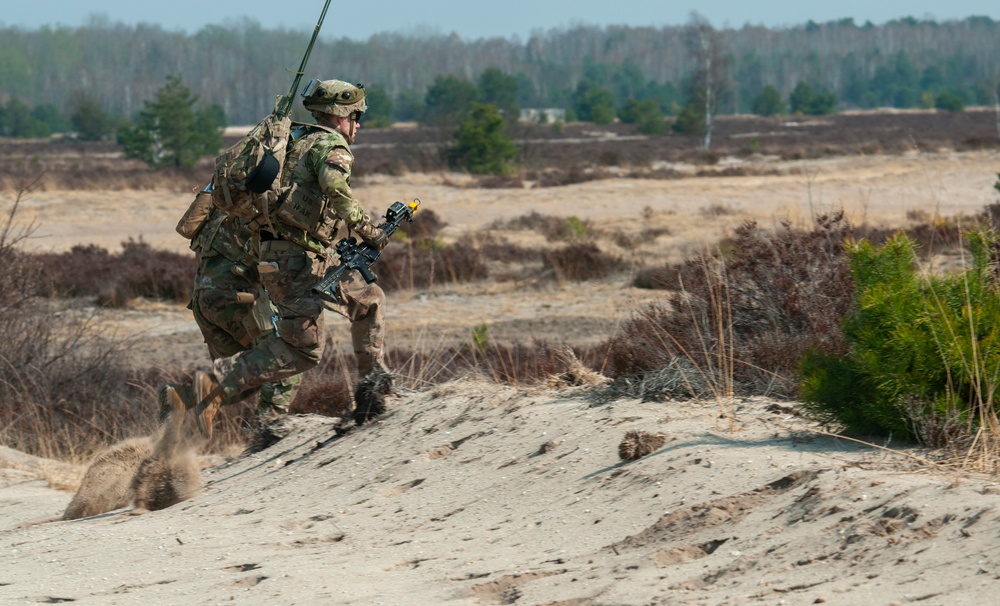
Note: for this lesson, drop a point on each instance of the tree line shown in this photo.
(93, 77)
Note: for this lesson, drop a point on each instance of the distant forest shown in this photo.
(242, 68)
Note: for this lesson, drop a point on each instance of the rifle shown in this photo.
(361, 256)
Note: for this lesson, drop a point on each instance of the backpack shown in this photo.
(247, 176)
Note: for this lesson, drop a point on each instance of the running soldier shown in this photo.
(229, 306)
(293, 256)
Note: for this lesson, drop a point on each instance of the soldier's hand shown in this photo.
(372, 235)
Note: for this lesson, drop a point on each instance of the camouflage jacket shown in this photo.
(316, 180)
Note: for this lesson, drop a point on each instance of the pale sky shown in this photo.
(472, 19)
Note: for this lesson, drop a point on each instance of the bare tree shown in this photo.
(710, 80)
(996, 102)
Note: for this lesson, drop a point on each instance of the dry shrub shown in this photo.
(420, 265)
(556, 158)
(552, 227)
(662, 173)
(114, 279)
(426, 225)
(749, 314)
(579, 262)
(499, 182)
(706, 157)
(652, 278)
(716, 210)
(728, 171)
(947, 429)
(498, 248)
(556, 177)
(572, 372)
(329, 387)
(67, 164)
(66, 391)
(637, 444)
(930, 237)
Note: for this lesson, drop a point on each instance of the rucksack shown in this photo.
(247, 176)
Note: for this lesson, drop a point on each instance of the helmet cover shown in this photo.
(334, 97)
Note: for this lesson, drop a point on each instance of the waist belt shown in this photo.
(277, 244)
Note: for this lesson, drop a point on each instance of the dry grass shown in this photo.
(66, 390)
(637, 444)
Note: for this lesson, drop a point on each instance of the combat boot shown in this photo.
(369, 397)
(184, 392)
(209, 395)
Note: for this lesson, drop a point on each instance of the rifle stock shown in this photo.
(361, 256)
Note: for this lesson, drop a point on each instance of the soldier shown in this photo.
(228, 304)
(293, 256)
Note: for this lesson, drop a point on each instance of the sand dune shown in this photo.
(474, 494)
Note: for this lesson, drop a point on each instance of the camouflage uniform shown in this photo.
(293, 256)
(226, 260)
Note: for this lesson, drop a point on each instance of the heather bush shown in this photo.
(580, 261)
(554, 228)
(739, 319)
(114, 279)
(427, 263)
(154, 274)
(923, 351)
(426, 225)
(498, 248)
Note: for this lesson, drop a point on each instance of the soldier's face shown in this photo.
(349, 126)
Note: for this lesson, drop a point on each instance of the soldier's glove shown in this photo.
(372, 235)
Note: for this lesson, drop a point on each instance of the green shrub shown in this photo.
(812, 101)
(949, 102)
(481, 145)
(645, 114)
(593, 103)
(922, 351)
(690, 121)
(768, 102)
(170, 131)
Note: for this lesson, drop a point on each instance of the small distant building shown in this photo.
(545, 115)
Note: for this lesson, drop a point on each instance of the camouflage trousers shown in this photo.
(229, 326)
(288, 273)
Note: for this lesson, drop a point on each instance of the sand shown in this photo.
(474, 494)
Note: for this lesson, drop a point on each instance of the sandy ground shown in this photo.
(876, 189)
(479, 495)
(472, 493)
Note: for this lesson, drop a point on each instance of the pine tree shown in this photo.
(170, 132)
(481, 146)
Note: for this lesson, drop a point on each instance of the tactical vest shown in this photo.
(305, 215)
(226, 235)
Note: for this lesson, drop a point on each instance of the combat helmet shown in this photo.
(334, 97)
